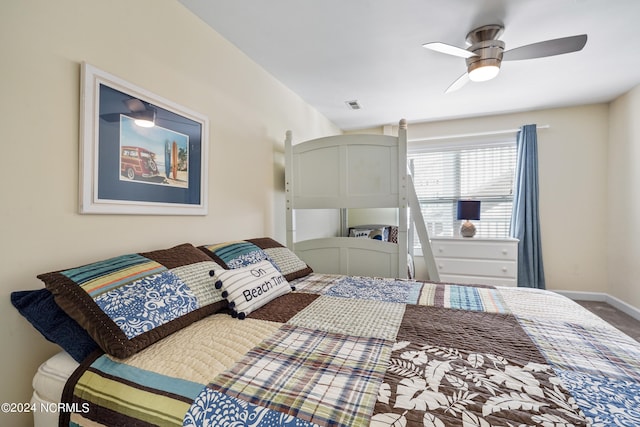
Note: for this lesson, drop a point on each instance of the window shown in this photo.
(482, 171)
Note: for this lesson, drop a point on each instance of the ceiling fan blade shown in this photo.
(134, 105)
(460, 81)
(110, 117)
(449, 49)
(546, 48)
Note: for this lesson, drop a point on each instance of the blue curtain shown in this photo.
(525, 224)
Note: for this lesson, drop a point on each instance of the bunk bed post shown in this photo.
(288, 190)
(402, 200)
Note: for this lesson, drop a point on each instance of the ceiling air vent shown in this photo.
(354, 105)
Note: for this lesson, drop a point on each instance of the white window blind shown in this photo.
(444, 174)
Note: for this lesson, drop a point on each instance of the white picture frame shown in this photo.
(129, 169)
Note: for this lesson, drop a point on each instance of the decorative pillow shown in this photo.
(377, 232)
(245, 252)
(286, 261)
(249, 288)
(235, 254)
(359, 232)
(39, 308)
(393, 234)
(129, 302)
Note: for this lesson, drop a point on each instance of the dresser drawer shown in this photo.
(474, 267)
(472, 248)
(478, 280)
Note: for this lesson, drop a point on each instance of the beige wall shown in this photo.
(624, 198)
(573, 192)
(160, 46)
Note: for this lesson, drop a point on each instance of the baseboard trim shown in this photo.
(602, 297)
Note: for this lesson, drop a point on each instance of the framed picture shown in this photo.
(139, 153)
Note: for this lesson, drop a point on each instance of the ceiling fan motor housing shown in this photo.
(489, 52)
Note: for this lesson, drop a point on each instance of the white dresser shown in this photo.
(477, 260)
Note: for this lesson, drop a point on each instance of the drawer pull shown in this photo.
(504, 269)
(504, 252)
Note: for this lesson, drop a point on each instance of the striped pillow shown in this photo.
(249, 288)
(128, 302)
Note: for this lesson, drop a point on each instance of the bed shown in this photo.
(314, 349)
(346, 172)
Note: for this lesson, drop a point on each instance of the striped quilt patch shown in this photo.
(462, 297)
(102, 276)
(137, 394)
(237, 254)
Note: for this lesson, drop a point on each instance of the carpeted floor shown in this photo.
(617, 318)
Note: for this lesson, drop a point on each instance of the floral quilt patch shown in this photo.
(229, 411)
(166, 298)
(605, 401)
(439, 386)
(376, 289)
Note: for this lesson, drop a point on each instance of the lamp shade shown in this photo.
(469, 209)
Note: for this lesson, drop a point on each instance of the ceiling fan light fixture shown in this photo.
(486, 65)
(484, 73)
(145, 118)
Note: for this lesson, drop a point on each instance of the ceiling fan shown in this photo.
(143, 114)
(486, 53)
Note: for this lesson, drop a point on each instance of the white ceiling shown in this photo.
(332, 51)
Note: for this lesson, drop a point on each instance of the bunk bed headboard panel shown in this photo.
(346, 171)
(342, 172)
(352, 257)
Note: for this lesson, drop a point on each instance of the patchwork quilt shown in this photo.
(353, 351)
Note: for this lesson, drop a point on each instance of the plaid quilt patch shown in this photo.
(315, 283)
(583, 349)
(320, 377)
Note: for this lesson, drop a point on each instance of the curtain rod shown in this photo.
(468, 135)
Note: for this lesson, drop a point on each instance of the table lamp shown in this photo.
(467, 210)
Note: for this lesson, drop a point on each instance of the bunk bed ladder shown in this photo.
(421, 229)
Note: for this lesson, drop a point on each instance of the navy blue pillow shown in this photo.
(40, 309)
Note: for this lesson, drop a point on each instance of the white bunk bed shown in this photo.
(347, 172)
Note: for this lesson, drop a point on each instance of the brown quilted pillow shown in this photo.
(128, 302)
